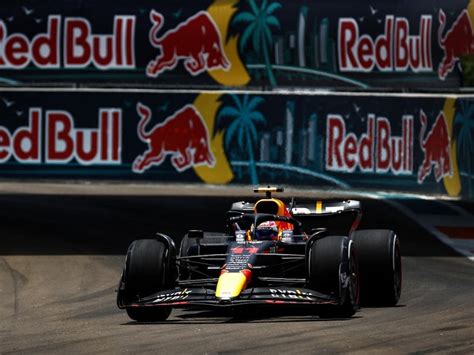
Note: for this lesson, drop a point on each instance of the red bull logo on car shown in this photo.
(196, 42)
(183, 136)
(436, 146)
(457, 42)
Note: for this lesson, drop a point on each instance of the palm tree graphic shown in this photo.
(244, 118)
(465, 121)
(260, 21)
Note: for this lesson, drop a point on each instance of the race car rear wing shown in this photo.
(321, 207)
(339, 217)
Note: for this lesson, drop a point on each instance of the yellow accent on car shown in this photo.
(265, 189)
(230, 284)
(270, 205)
(319, 207)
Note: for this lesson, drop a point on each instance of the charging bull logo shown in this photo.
(183, 136)
(436, 146)
(197, 42)
(456, 43)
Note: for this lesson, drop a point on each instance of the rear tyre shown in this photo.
(380, 266)
(147, 271)
(333, 271)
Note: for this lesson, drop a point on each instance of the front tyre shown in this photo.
(380, 266)
(333, 270)
(147, 271)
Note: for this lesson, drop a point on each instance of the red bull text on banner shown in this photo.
(414, 144)
(401, 45)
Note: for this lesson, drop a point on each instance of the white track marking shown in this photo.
(429, 222)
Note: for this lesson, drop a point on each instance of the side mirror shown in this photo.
(196, 234)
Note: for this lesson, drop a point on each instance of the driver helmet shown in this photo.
(266, 231)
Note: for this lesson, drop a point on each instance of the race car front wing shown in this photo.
(204, 297)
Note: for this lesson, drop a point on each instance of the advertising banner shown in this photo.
(393, 142)
(400, 45)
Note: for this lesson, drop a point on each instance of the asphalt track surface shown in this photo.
(61, 257)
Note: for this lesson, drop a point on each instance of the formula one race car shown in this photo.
(272, 254)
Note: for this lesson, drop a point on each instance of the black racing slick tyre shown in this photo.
(147, 271)
(380, 266)
(333, 270)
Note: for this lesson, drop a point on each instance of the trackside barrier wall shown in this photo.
(365, 44)
(398, 142)
(395, 142)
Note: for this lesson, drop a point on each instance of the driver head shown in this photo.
(267, 231)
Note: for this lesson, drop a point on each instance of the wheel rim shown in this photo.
(354, 289)
(397, 271)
